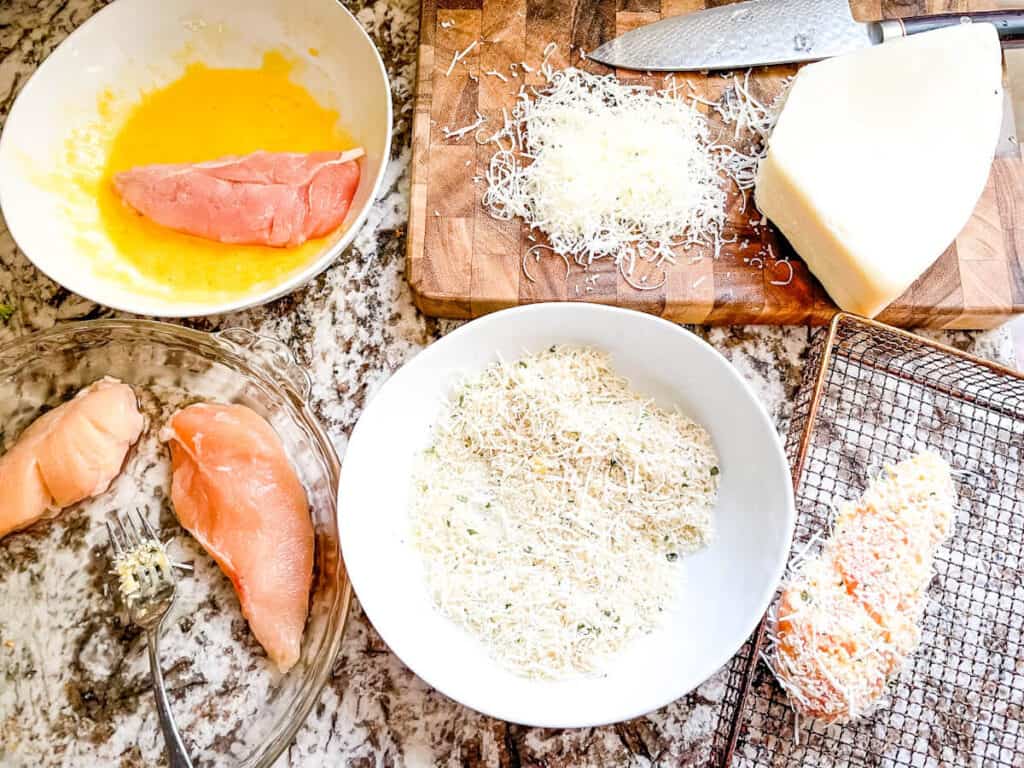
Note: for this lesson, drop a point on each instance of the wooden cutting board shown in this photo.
(462, 263)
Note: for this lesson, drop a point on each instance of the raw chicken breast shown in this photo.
(68, 454)
(266, 198)
(236, 492)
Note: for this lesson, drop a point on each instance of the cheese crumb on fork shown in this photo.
(128, 566)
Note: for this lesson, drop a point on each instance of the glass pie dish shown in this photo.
(74, 672)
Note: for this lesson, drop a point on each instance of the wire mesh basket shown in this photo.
(873, 395)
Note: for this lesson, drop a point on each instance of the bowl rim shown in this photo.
(139, 304)
(778, 455)
(341, 608)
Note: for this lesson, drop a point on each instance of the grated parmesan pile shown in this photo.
(849, 616)
(611, 170)
(554, 508)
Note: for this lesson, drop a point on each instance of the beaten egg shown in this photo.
(205, 114)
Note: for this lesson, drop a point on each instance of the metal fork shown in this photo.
(147, 585)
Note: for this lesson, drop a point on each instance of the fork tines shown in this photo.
(117, 544)
(146, 526)
(135, 543)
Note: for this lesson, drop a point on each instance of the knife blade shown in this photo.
(742, 35)
(758, 32)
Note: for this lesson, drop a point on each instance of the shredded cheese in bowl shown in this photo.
(555, 507)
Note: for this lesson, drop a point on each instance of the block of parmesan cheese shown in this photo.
(879, 157)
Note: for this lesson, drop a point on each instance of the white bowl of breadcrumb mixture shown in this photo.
(565, 514)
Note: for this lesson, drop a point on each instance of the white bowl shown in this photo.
(728, 585)
(137, 44)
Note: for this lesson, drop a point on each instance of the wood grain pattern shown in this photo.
(463, 263)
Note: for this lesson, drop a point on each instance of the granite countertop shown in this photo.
(352, 327)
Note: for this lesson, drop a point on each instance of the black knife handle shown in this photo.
(1009, 24)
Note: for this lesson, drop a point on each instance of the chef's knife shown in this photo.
(759, 32)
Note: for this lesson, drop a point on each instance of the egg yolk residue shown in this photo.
(204, 115)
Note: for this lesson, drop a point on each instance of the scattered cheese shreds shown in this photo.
(789, 278)
(555, 507)
(611, 170)
(458, 133)
(460, 56)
